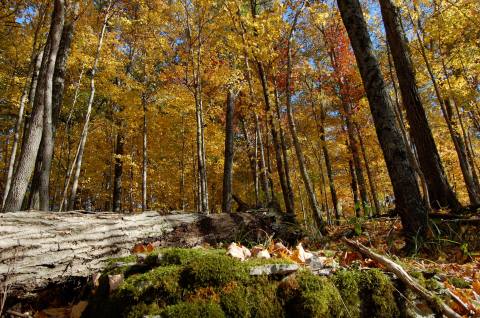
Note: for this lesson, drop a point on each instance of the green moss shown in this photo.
(159, 283)
(212, 270)
(307, 295)
(347, 283)
(234, 302)
(191, 310)
(263, 300)
(377, 292)
(141, 310)
(182, 256)
(459, 282)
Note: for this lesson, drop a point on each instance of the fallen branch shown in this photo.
(432, 300)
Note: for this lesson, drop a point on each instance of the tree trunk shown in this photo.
(289, 205)
(145, 161)
(229, 151)
(371, 182)
(408, 200)
(48, 124)
(312, 198)
(328, 165)
(36, 63)
(263, 164)
(118, 173)
(283, 144)
(357, 163)
(83, 138)
(354, 187)
(43, 100)
(440, 192)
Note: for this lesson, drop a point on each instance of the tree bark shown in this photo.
(43, 95)
(229, 152)
(408, 200)
(440, 192)
(36, 63)
(48, 124)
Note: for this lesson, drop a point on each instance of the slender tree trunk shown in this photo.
(83, 138)
(283, 144)
(440, 192)
(371, 181)
(118, 173)
(312, 198)
(145, 159)
(408, 200)
(289, 207)
(263, 165)
(229, 151)
(182, 166)
(353, 144)
(252, 156)
(43, 100)
(328, 164)
(70, 164)
(36, 63)
(49, 120)
(354, 187)
(472, 189)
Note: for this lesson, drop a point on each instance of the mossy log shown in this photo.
(38, 249)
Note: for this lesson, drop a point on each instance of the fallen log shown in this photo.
(432, 300)
(40, 249)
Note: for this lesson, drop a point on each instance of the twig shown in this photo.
(432, 300)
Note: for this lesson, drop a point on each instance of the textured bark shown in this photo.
(440, 192)
(50, 247)
(43, 95)
(44, 249)
(47, 135)
(35, 67)
(228, 157)
(407, 195)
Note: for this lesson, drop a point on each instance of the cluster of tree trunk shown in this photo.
(415, 169)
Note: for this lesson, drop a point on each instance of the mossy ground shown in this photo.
(207, 283)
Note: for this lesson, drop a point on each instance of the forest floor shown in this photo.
(324, 277)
